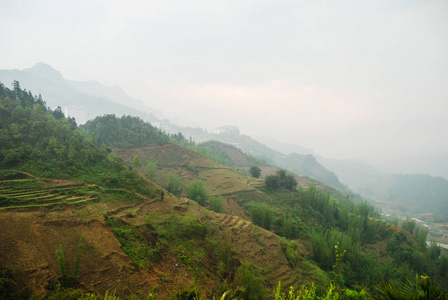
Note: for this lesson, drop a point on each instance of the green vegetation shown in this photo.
(215, 156)
(248, 277)
(31, 193)
(312, 214)
(290, 248)
(197, 192)
(134, 244)
(136, 162)
(175, 184)
(420, 288)
(150, 169)
(124, 132)
(223, 250)
(255, 171)
(217, 204)
(9, 287)
(69, 270)
(37, 140)
(234, 157)
(281, 179)
(405, 194)
(324, 236)
(262, 215)
(307, 293)
(209, 152)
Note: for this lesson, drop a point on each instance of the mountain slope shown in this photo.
(115, 94)
(148, 242)
(297, 163)
(139, 238)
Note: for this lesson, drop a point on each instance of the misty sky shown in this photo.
(349, 79)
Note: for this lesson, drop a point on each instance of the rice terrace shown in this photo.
(35, 193)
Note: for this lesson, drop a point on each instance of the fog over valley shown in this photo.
(360, 80)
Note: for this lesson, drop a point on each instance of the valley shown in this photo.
(118, 206)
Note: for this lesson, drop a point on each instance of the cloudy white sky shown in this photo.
(349, 79)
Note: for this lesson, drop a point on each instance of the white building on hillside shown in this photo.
(226, 129)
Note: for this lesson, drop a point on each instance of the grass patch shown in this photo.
(135, 243)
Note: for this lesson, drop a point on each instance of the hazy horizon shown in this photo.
(357, 79)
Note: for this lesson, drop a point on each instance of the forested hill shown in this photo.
(376, 251)
(419, 193)
(124, 132)
(43, 142)
(408, 194)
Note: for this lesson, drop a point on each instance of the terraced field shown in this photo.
(267, 248)
(34, 193)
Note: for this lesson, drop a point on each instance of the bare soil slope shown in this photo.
(30, 237)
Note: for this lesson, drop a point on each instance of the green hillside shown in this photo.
(234, 157)
(308, 213)
(37, 140)
(305, 165)
(128, 212)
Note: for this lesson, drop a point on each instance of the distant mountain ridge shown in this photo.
(301, 164)
(95, 98)
(98, 100)
(402, 193)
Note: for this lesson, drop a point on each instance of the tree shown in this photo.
(255, 171)
(217, 204)
(289, 182)
(58, 114)
(248, 277)
(262, 215)
(272, 182)
(281, 179)
(136, 162)
(151, 169)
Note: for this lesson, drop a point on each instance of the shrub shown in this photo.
(422, 288)
(136, 162)
(9, 289)
(133, 242)
(272, 182)
(197, 192)
(175, 184)
(288, 226)
(248, 277)
(262, 215)
(69, 270)
(217, 204)
(291, 251)
(304, 293)
(61, 293)
(150, 169)
(281, 179)
(255, 171)
(223, 252)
